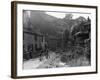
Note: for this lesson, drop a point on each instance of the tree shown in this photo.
(68, 17)
(66, 36)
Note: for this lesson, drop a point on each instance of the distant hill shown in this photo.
(43, 23)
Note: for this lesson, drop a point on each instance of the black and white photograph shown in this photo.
(53, 39)
(56, 39)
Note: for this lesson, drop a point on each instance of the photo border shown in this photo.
(14, 37)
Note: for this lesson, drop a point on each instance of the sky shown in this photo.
(62, 15)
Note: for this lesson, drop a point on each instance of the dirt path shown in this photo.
(54, 61)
